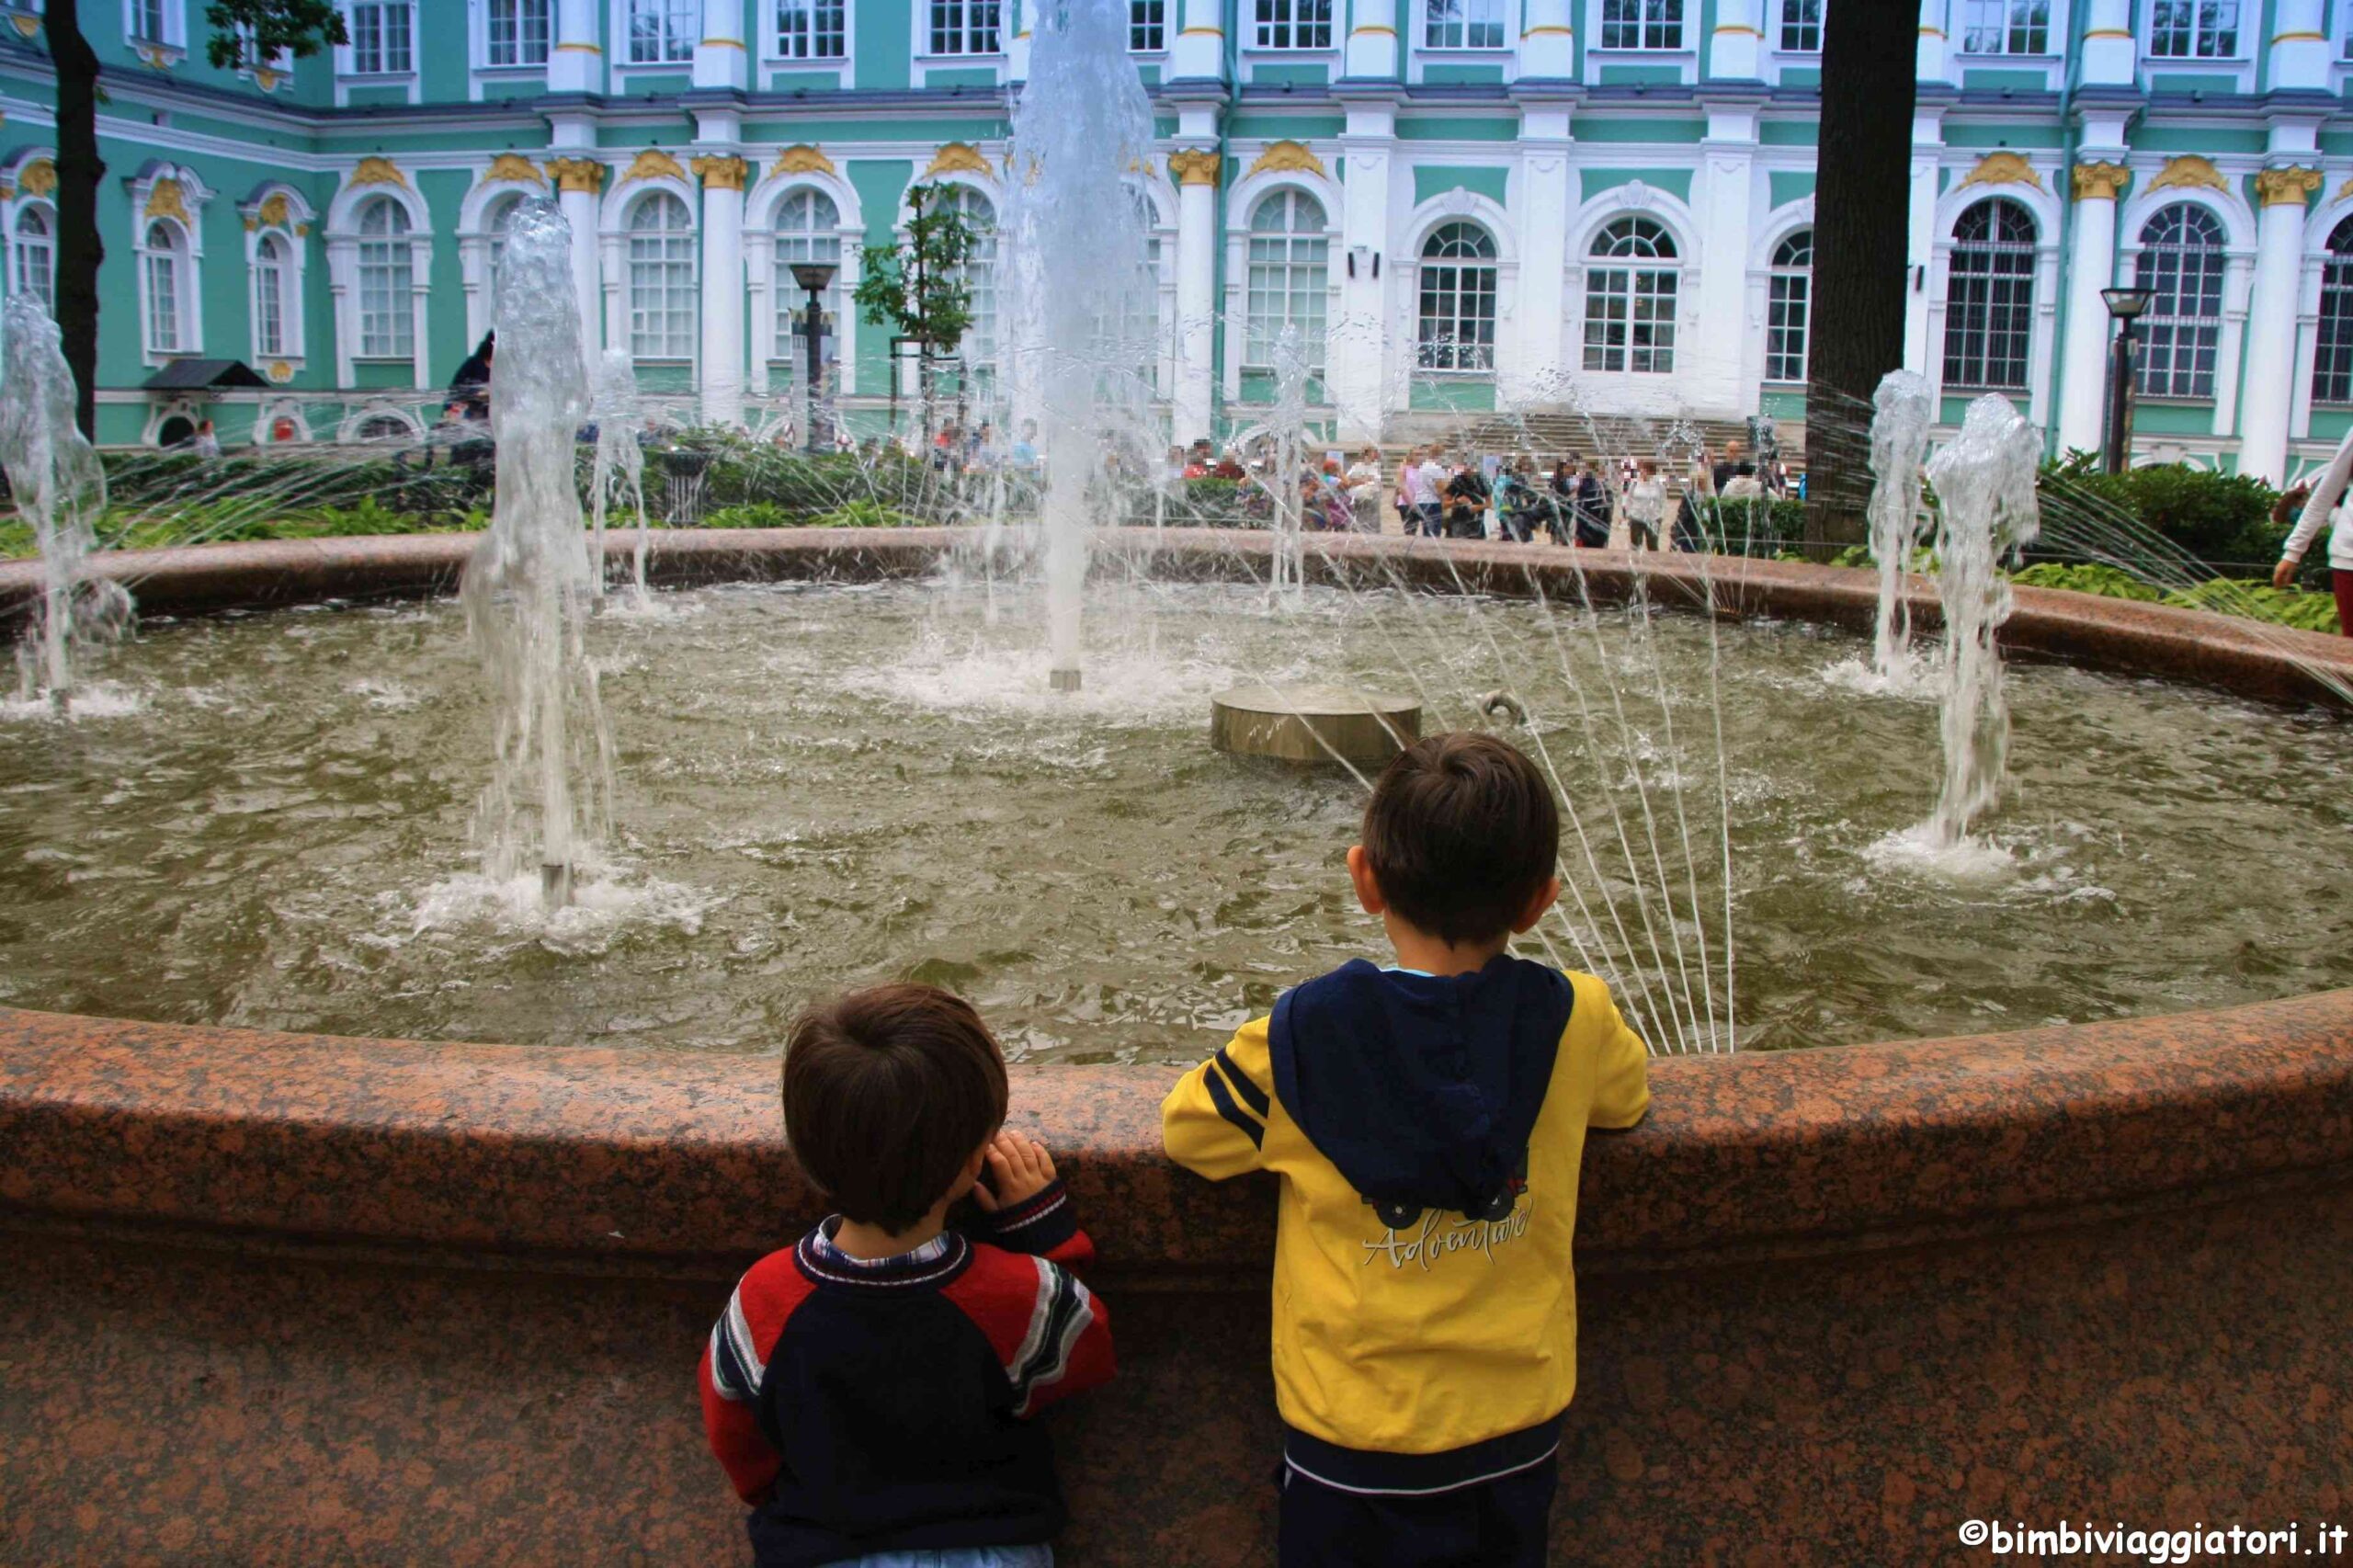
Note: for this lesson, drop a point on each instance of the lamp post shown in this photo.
(2125, 305)
(816, 276)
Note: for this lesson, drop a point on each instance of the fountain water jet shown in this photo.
(619, 471)
(60, 490)
(1987, 512)
(527, 587)
(1075, 254)
(1902, 410)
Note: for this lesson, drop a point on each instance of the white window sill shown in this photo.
(1287, 51)
(377, 78)
(526, 69)
(668, 66)
(806, 62)
(1464, 51)
(1676, 55)
(2003, 57)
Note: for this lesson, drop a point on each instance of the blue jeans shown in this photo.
(960, 1557)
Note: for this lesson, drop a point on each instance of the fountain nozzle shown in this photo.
(555, 884)
(1063, 680)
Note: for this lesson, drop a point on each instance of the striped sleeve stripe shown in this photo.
(1223, 1097)
(1252, 1095)
(1059, 1200)
(1062, 1314)
(735, 1365)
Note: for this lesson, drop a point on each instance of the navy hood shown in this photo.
(1422, 1090)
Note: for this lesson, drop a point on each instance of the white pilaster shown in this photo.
(2109, 52)
(2271, 321)
(722, 176)
(2299, 47)
(1547, 46)
(1541, 324)
(579, 177)
(1933, 62)
(1928, 145)
(2091, 267)
(1723, 203)
(1735, 50)
(1200, 54)
(1372, 52)
(1353, 355)
(723, 58)
(577, 63)
(1196, 171)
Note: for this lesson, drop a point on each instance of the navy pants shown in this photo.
(1495, 1524)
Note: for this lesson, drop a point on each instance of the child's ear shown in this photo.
(1360, 876)
(1537, 904)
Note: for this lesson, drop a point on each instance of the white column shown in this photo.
(2091, 267)
(1196, 171)
(1548, 48)
(1355, 344)
(2300, 56)
(722, 287)
(1372, 52)
(2271, 321)
(577, 181)
(1739, 41)
(1724, 205)
(2109, 52)
(1934, 60)
(1540, 325)
(577, 63)
(1928, 143)
(722, 57)
(1200, 51)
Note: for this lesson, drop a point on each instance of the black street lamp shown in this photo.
(2125, 305)
(816, 276)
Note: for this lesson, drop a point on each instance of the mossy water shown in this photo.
(265, 821)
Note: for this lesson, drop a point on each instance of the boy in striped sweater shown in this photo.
(870, 1392)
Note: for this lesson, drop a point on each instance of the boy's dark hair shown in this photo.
(1462, 831)
(887, 1091)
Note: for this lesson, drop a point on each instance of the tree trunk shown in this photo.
(79, 170)
(1862, 198)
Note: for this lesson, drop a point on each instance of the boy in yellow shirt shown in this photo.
(1427, 1120)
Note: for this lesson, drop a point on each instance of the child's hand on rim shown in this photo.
(1019, 1169)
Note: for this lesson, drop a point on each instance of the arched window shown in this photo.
(2181, 265)
(2333, 359)
(273, 277)
(661, 278)
(1989, 298)
(495, 221)
(1789, 308)
(36, 256)
(979, 347)
(387, 283)
(1458, 310)
(1139, 312)
(1631, 285)
(807, 229)
(1290, 278)
(165, 254)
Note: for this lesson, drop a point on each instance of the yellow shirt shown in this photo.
(1441, 1334)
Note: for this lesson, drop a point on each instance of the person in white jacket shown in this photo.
(2321, 504)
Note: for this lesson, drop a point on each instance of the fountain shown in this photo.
(619, 471)
(60, 491)
(1902, 410)
(1987, 512)
(529, 583)
(1075, 250)
(1289, 428)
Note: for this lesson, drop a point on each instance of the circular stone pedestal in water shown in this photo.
(1313, 723)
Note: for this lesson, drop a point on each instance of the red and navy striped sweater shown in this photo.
(884, 1406)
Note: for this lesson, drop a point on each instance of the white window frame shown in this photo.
(1169, 11)
(1783, 280)
(965, 26)
(625, 36)
(667, 349)
(2026, 308)
(343, 241)
(347, 59)
(1481, 354)
(289, 224)
(174, 263)
(777, 54)
(1470, 17)
(2247, 20)
(187, 260)
(45, 212)
(397, 255)
(1789, 18)
(484, 40)
(787, 298)
(2337, 292)
(1685, 21)
(1971, 24)
(1665, 266)
(2168, 329)
(171, 14)
(1259, 329)
(1272, 20)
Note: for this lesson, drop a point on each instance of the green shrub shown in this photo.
(2108, 582)
(755, 515)
(2215, 516)
(2261, 601)
(865, 514)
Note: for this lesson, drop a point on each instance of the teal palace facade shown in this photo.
(1464, 205)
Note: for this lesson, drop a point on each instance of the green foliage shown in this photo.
(755, 515)
(251, 33)
(2215, 516)
(2261, 601)
(864, 513)
(2108, 582)
(917, 290)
